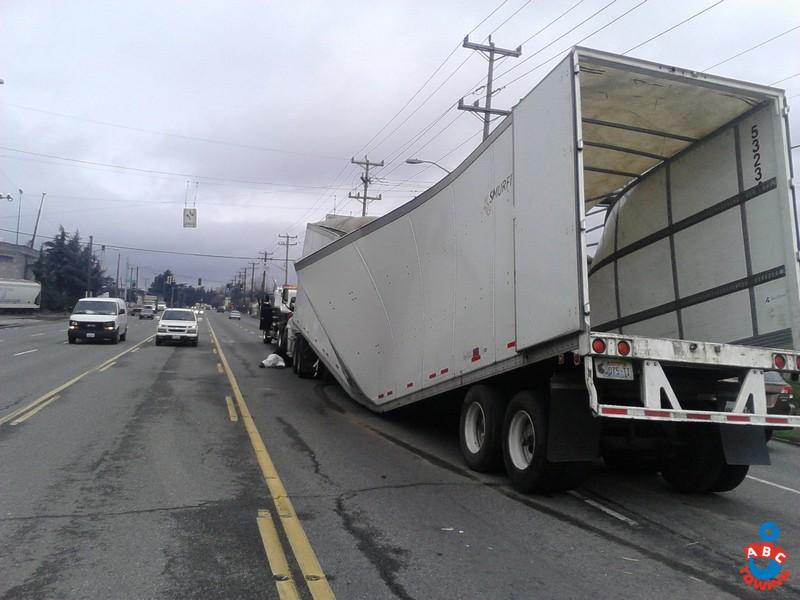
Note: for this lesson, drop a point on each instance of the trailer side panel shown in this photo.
(546, 195)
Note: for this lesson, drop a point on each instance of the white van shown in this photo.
(98, 319)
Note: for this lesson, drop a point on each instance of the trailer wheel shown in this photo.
(481, 428)
(730, 478)
(305, 359)
(698, 461)
(525, 446)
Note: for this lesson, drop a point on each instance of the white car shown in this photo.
(235, 314)
(177, 325)
(98, 319)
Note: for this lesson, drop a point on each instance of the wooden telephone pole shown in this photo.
(366, 181)
(490, 52)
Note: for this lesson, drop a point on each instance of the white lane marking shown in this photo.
(605, 509)
(26, 352)
(36, 334)
(776, 485)
(134, 350)
(108, 366)
(65, 342)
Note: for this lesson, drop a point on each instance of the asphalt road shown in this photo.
(135, 483)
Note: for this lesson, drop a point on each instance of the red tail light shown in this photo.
(623, 348)
(598, 346)
(787, 389)
(779, 360)
(797, 363)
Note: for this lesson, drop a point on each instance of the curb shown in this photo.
(785, 441)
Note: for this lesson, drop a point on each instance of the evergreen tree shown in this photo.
(62, 269)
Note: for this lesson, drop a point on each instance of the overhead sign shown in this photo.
(190, 217)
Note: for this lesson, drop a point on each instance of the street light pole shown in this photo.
(19, 212)
(38, 214)
(419, 161)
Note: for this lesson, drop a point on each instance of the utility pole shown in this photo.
(252, 264)
(116, 284)
(286, 237)
(19, 213)
(38, 214)
(366, 181)
(489, 53)
(89, 270)
(265, 257)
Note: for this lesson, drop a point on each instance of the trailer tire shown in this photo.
(698, 462)
(730, 478)
(305, 359)
(525, 445)
(481, 428)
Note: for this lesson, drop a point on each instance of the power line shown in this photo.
(158, 172)
(785, 79)
(583, 39)
(168, 134)
(509, 17)
(750, 49)
(155, 251)
(569, 10)
(666, 31)
(562, 36)
(428, 80)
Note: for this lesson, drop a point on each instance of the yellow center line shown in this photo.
(45, 397)
(28, 415)
(312, 571)
(276, 557)
(108, 366)
(231, 409)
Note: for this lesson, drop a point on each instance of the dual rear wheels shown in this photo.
(495, 432)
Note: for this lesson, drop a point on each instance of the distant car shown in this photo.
(779, 394)
(147, 313)
(221, 309)
(235, 314)
(202, 311)
(177, 325)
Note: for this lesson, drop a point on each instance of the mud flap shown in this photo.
(744, 445)
(573, 433)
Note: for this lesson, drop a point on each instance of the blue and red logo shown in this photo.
(765, 559)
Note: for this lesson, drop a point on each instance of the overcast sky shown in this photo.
(263, 103)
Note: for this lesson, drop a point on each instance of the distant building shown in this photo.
(16, 262)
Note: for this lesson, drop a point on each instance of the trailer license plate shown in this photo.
(89, 335)
(613, 369)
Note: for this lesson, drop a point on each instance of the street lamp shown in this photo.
(418, 161)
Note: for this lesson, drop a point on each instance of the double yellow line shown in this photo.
(38, 404)
(312, 572)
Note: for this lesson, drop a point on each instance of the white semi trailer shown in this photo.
(652, 351)
(19, 295)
